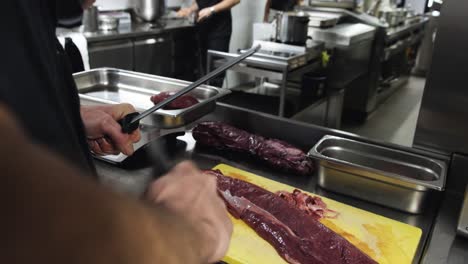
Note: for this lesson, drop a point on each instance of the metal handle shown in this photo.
(127, 125)
(150, 41)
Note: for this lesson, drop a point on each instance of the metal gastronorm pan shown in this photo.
(386, 176)
(112, 86)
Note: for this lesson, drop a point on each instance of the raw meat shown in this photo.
(311, 205)
(277, 153)
(324, 245)
(291, 247)
(185, 101)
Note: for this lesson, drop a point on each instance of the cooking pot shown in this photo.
(292, 28)
(150, 10)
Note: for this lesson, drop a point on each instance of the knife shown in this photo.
(131, 122)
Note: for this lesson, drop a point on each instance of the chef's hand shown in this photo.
(105, 136)
(87, 4)
(204, 14)
(193, 196)
(184, 12)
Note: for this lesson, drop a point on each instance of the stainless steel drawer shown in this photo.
(154, 55)
(115, 54)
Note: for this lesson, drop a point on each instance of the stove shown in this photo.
(294, 56)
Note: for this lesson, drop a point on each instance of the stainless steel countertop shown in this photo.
(444, 245)
(395, 32)
(438, 243)
(138, 30)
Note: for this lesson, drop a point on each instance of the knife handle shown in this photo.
(127, 125)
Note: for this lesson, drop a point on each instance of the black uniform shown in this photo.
(283, 5)
(35, 77)
(215, 32)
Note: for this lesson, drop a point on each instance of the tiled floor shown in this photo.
(395, 120)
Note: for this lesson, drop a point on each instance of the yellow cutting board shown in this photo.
(383, 239)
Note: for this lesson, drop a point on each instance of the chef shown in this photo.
(214, 23)
(54, 213)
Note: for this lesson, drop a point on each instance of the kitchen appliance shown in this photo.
(384, 239)
(91, 19)
(294, 56)
(150, 10)
(291, 27)
(382, 175)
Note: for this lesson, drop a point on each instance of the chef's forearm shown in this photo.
(50, 213)
(267, 11)
(194, 6)
(225, 5)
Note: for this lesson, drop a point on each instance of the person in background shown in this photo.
(214, 23)
(279, 5)
(52, 212)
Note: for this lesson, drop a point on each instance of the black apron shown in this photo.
(283, 5)
(214, 33)
(36, 80)
(218, 25)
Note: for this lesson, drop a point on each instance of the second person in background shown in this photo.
(214, 23)
(279, 5)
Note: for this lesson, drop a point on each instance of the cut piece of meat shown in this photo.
(311, 205)
(276, 153)
(185, 101)
(292, 248)
(325, 245)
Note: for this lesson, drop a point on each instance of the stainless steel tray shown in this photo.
(378, 174)
(113, 86)
(322, 22)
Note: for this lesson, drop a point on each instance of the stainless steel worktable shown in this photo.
(437, 225)
(394, 33)
(139, 30)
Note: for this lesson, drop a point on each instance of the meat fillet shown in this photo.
(291, 247)
(182, 102)
(277, 153)
(321, 243)
(311, 205)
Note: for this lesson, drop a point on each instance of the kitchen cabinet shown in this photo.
(115, 54)
(154, 55)
(172, 54)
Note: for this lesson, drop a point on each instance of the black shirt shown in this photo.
(283, 5)
(36, 81)
(219, 24)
